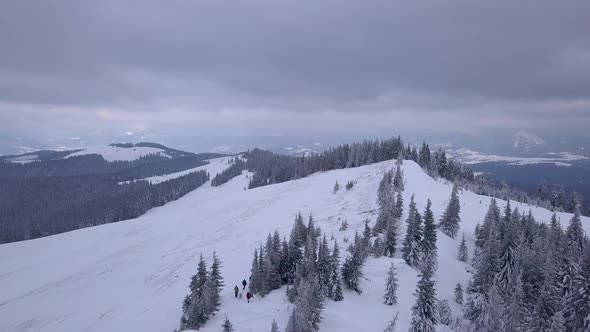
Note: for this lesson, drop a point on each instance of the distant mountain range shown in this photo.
(518, 143)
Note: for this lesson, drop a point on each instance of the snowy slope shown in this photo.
(133, 275)
(114, 153)
(469, 157)
(216, 165)
(525, 140)
(23, 159)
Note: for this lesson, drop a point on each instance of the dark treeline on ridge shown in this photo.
(36, 207)
(94, 164)
(269, 168)
(57, 194)
(272, 168)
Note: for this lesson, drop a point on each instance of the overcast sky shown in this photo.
(292, 67)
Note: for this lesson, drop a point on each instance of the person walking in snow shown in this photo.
(244, 283)
(236, 290)
(249, 296)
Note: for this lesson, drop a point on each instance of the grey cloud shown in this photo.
(489, 59)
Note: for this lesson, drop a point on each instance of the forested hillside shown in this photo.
(149, 268)
(55, 194)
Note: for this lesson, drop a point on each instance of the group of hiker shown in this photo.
(249, 295)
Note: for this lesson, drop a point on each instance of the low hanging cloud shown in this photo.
(269, 66)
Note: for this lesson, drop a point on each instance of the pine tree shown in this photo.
(428, 246)
(299, 232)
(398, 179)
(390, 240)
(216, 284)
(488, 247)
(463, 254)
(490, 225)
(577, 302)
(352, 270)
(271, 262)
(335, 279)
(445, 315)
(386, 202)
(413, 238)
(424, 156)
(274, 326)
(197, 305)
(255, 277)
(391, 326)
(378, 248)
(195, 316)
(557, 323)
(385, 188)
(296, 240)
(449, 223)
(483, 310)
(575, 234)
(310, 256)
(459, 293)
(424, 311)
(324, 267)
(547, 301)
(510, 240)
(307, 269)
(199, 279)
(399, 205)
(391, 285)
(514, 311)
(227, 326)
(400, 158)
(336, 187)
(285, 268)
(349, 185)
(367, 237)
(457, 325)
(344, 225)
(306, 313)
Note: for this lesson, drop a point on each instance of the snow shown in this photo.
(526, 140)
(114, 153)
(133, 275)
(215, 166)
(469, 156)
(568, 156)
(23, 159)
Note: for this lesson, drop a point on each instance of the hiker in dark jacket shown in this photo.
(249, 296)
(236, 290)
(244, 283)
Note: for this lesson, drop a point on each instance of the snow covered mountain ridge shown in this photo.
(112, 152)
(469, 157)
(133, 275)
(525, 140)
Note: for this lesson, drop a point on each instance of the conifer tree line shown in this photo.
(152, 164)
(556, 198)
(204, 298)
(272, 168)
(419, 247)
(305, 263)
(236, 168)
(310, 267)
(269, 168)
(529, 276)
(55, 205)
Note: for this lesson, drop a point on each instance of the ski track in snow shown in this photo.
(132, 275)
